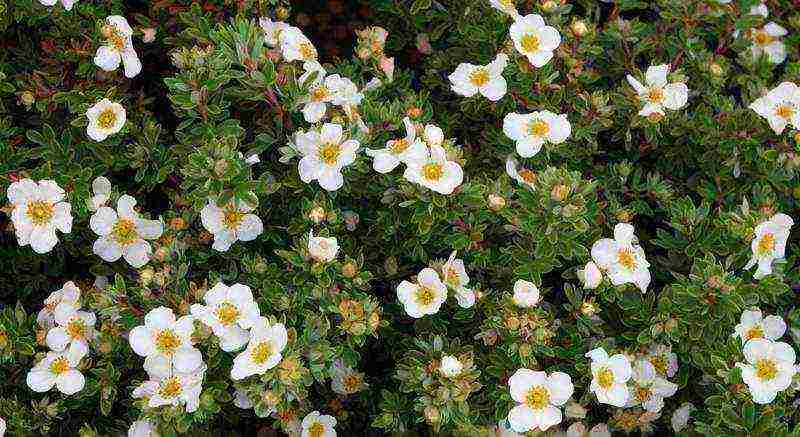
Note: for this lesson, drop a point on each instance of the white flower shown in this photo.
(450, 367)
(272, 30)
(780, 106)
(143, 428)
(123, 233)
(166, 343)
(622, 258)
(454, 275)
(316, 425)
(59, 304)
(230, 223)
(526, 294)
(175, 388)
(295, 46)
(435, 172)
(578, 429)
(58, 369)
(67, 6)
(320, 92)
(433, 135)
(520, 174)
(534, 39)
(767, 41)
(264, 350)
(531, 131)
(769, 369)
(101, 191)
(769, 243)
(118, 48)
(425, 297)
(759, 9)
(345, 92)
(325, 153)
(72, 331)
(39, 210)
(405, 150)
(105, 119)
(753, 325)
(610, 376)
(2, 427)
(241, 400)
(590, 276)
(663, 360)
(538, 396)
(506, 6)
(648, 389)
(656, 93)
(229, 312)
(681, 416)
(469, 79)
(322, 249)
(345, 380)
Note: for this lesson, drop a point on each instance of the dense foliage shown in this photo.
(460, 195)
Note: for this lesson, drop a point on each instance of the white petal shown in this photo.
(137, 254)
(70, 382)
(656, 75)
(107, 58)
(43, 239)
(102, 222)
(131, 63)
(107, 249)
(40, 381)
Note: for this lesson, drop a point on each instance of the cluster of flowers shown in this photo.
(426, 296)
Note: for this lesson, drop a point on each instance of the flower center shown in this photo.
(227, 314)
(76, 328)
(784, 111)
(232, 218)
(527, 175)
(432, 172)
(451, 277)
(537, 398)
(167, 341)
(538, 128)
(351, 383)
(763, 38)
(605, 378)
(399, 146)
(660, 364)
(329, 153)
(642, 394)
(754, 332)
(766, 369)
(124, 232)
(479, 77)
(170, 388)
(530, 43)
(114, 37)
(40, 212)
(626, 259)
(766, 244)
(319, 93)
(424, 296)
(316, 430)
(261, 352)
(655, 95)
(107, 118)
(59, 365)
(307, 51)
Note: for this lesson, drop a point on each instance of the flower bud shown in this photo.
(559, 193)
(424, 44)
(148, 34)
(496, 203)
(317, 214)
(590, 276)
(349, 269)
(579, 28)
(177, 224)
(27, 99)
(414, 112)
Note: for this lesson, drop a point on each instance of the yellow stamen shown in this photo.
(329, 153)
(766, 369)
(537, 397)
(40, 212)
(605, 378)
(538, 128)
(167, 341)
(660, 364)
(399, 146)
(107, 118)
(642, 394)
(124, 232)
(655, 95)
(307, 51)
(479, 77)
(766, 244)
(227, 314)
(527, 175)
(59, 365)
(261, 353)
(754, 332)
(170, 388)
(319, 93)
(232, 218)
(424, 296)
(530, 43)
(762, 38)
(316, 430)
(626, 259)
(76, 328)
(785, 112)
(432, 172)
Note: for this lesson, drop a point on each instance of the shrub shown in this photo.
(453, 217)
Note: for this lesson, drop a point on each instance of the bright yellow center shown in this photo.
(605, 378)
(785, 111)
(432, 172)
(316, 430)
(539, 128)
(537, 397)
(424, 296)
(319, 93)
(76, 328)
(307, 51)
(754, 332)
(479, 77)
(451, 277)
(107, 118)
(59, 365)
(642, 394)
(170, 388)
(399, 146)
(167, 341)
(232, 218)
(124, 232)
(530, 43)
(40, 212)
(660, 364)
(766, 369)
(329, 153)
(763, 38)
(261, 352)
(766, 244)
(227, 314)
(655, 95)
(626, 259)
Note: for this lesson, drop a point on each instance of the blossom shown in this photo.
(105, 119)
(317, 425)
(345, 380)
(272, 30)
(656, 93)
(526, 294)
(68, 7)
(753, 325)
(531, 131)
(231, 222)
(345, 92)
(534, 39)
(322, 249)
(468, 79)
(400, 150)
(769, 369)
(425, 297)
(454, 275)
(58, 369)
(325, 153)
(101, 191)
(73, 330)
(780, 106)
(123, 233)
(320, 93)
(143, 428)
(59, 304)
(435, 171)
(767, 41)
(663, 359)
(38, 211)
(609, 377)
(295, 46)
(450, 367)
(175, 388)
(590, 276)
(520, 174)
(165, 342)
(681, 416)
(769, 243)
(118, 47)
(648, 389)
(229, 312)
(264, 350)
(578, 429)
(506, 6)
(622, 258)
(538, 396)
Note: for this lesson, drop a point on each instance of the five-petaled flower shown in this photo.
(231, 222)
(656, 93)
(105, 119)
(123, 233)
(425, 297)
(229, 311)
(325, 153)
(769, 369)
(538, 396)
(468, 79)
(769, 243)
(39, 209)
(534, 39)
(531, 131)
(780, 106)
(622, 258)
(118, 48)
